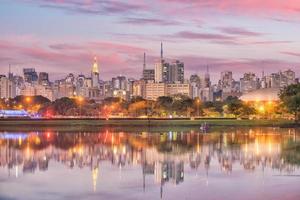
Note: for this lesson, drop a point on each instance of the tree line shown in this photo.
(164, 106)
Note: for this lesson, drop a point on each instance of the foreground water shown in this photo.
(257, 163)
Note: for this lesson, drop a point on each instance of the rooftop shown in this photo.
(266, 94)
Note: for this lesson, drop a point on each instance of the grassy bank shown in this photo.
(78, 124)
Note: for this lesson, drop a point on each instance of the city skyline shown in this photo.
(63, 36)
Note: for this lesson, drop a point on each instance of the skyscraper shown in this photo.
(119, 83)
(287, 78)
(226, 81)
(168, 72)
(95, 73)
(158, 70)
(30, 75)
(43, 78)
(249, 82)
(161, 52)
(175, 72)
(7, 88)
(148, 74)
(206, 83)
(195, 85)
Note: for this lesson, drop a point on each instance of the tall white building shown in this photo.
(226, 81)
(195, 85)
(7, 88)
(158, 72)
(31, 89)
(154, 90)
(249, 82)
(179, 88)
(95, 73)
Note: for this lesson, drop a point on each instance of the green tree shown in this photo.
(290, 97)
(163, 105)
(247, 110)
(63, 105)
(234, 105)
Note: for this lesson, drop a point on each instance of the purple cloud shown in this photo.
(202, 36)
(91, 6)
(149, 21)
(271, 42)
(238, 31)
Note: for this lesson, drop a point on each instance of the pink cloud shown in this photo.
(75, 58)
(193, 9)
(242, 7)
(297, 54)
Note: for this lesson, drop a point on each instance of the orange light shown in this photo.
(261, 109)
(28, 99)
(80, 99)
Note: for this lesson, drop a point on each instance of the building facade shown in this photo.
(7, 88)
(154, 90)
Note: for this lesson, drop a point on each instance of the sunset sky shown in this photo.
(63, 36)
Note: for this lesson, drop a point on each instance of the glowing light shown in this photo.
(261, 109)
(270, 147)
(80, 99)
(28, 99)
(17, 171)
(37, 140)
(257, 148)
(20, 141)
(95, 178)
(95, 68)
(115, 150)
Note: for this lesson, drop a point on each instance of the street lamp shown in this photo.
(80, 100)
(198, 106)
(28, 99)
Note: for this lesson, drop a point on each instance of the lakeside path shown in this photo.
(83, 124)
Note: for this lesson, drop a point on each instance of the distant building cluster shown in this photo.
(165, 79)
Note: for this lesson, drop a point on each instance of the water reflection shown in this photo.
(163, 156)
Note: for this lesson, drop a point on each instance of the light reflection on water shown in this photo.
(258, 163)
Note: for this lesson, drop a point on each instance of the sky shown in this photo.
(63, 36)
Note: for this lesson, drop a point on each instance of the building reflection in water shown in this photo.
(163, 156)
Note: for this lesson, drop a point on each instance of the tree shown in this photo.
(163, 105)
(137, 108)
(234, 105)
(63, 105)
(247, 110)
(290, 97)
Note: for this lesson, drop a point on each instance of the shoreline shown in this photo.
(82, 124)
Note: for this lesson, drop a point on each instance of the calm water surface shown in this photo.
(257, 163)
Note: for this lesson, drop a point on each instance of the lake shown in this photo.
(228, 163)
